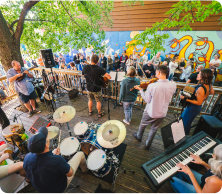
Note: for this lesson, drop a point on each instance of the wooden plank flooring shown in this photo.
(135, 154)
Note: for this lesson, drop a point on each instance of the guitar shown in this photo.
(23, 76)
(105, 81)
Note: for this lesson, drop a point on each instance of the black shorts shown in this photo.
(25, 98)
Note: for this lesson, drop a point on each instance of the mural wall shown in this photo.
(200, 45)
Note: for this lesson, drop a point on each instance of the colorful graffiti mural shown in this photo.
(200, 45)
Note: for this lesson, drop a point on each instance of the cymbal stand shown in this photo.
(70, 134)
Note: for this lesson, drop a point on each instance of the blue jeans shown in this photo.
(188, 115)
(183, 184)
(170, 76)
(128, 106)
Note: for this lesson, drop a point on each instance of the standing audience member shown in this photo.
(157, 96)
(34, 63)
(173, 65)
(139, 64)
(128, 97)
(202, 91)
(25, 89)
(186, 72)
(190, 181)
(116, 62)
(129, 62)
(109, 63)
(88, 60)
(193, 76)
(149, 69)
(56, 61)
(215, 63)
(47, 171)
(103, 61)
(168, 59)
(145, 58)
(40, 62)
(61, 59)
(156, 60)
(76, 60)
(72, 65)
(93, 74)
(62, 65)
(82, 62)
(123, 60)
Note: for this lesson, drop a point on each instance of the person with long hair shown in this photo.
(202, 91)
(190, 181)
(129, 97)
(129, 62)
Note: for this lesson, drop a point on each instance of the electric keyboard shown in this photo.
(163, 167)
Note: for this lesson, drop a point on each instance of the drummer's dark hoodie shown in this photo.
(125, 94)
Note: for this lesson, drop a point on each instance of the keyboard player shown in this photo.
(157, 96)
(190, 181)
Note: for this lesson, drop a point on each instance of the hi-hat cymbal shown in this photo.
(53, 131)
(64, 114)
(111, 134)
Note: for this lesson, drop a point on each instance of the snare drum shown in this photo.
(90, 144)
(69, 146)
(82, 130)
(98, 163)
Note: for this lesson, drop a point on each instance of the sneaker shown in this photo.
(30, 114)
(36, 111)
(124, 120)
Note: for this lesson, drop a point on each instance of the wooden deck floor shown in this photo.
(135, 154)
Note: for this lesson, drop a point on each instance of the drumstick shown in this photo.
(59, 137)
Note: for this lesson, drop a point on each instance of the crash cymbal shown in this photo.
(64, 114)
(53, 131)
(111, 134)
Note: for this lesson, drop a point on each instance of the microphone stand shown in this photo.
(116, 90)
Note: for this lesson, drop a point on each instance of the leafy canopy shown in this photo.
(181, 15)
(60, 24)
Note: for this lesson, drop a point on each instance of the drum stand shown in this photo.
(70, 134)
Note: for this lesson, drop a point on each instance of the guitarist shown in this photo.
(24, 88)
(93, 75)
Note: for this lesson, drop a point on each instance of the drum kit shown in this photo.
(95, 140)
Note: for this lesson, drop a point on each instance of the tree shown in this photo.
(51, 24)
(181, 16)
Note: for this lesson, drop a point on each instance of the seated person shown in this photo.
(193, 77)
(47, 171)
(181, 64)
(149, 69)
(168, 69)
(186, 72)
(6, 170)
(190, 181)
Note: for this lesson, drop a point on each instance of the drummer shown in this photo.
(47, 171)
(6, 170)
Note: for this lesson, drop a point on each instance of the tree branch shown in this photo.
(70, 15)
(14, 22)
(27, 6)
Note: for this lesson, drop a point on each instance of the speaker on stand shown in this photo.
(47, 58)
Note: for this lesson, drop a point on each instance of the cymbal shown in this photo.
(64, 114)
(111, 134)
(53, 131)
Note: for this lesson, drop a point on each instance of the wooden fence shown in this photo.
(74, 79)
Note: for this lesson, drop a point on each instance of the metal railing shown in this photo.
(74, 79)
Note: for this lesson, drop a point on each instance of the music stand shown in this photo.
(119, 77)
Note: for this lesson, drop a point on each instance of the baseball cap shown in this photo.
(36, 143)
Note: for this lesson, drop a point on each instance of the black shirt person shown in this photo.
(149, 69)
(93, 74)
(193, 76)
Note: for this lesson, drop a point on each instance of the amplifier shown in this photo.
(40, 122)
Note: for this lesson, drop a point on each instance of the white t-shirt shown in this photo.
(145, 59)
(172, 67)
(216, 61)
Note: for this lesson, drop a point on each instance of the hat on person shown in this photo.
(36, 143)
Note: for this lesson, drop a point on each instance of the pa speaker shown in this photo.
(47, 58)
(210, 125)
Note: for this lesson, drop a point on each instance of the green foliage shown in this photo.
(61, 24)
(181, 16)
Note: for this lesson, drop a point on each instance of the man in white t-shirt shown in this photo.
(215, 63)
(172, 66)
(145, 58)
(156, 60)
